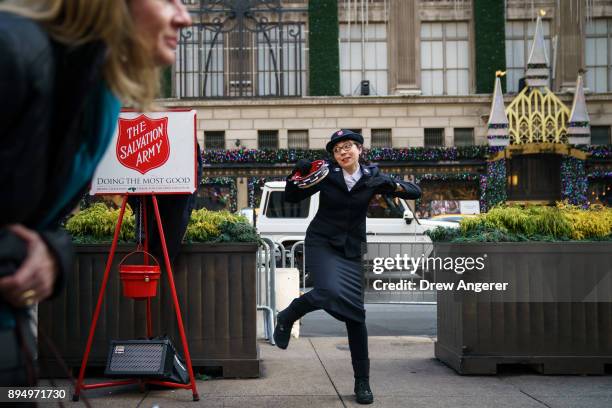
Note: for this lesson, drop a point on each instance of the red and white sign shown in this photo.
(142, 143)
(150, 153)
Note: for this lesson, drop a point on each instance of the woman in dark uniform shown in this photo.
(333, 246)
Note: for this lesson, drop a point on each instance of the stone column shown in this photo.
(570, 46)
(404, 54)
(242, 192)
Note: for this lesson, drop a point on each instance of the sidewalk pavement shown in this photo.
(316, 372)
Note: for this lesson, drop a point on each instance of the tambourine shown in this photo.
(318, 171)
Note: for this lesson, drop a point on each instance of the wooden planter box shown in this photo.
(479, 331)
(216, 288)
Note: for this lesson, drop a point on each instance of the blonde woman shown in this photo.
(66, 67)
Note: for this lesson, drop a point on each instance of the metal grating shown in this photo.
(267, 139)
(434, 137)
(464, 136)
(381, 138)
(297, 139)
(246, 48)
(214, 139)
(137, 357)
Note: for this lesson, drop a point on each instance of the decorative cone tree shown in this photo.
(497, 127)
(578, 126)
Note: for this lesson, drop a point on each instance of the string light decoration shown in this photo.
(574, 182)
(493, 187)
(600, 194)
(601, 174)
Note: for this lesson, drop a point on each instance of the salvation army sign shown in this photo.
(143, 143)
(150, 153)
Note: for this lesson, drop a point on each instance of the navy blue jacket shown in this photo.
(341, 218)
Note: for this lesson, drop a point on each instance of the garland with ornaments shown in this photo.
(443, 177)
(410, 154)
(230, 199)
(262, 156)
(255, 185)
(492, 185)
(429, 154)
(416, 154)
(599, 151)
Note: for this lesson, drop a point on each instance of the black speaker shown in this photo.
(365, 87)
(155, 358)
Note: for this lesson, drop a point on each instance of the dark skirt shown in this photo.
(338, 283)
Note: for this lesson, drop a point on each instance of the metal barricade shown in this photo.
(266, 286)
(266, 282)
(292, 255)
(283, 254)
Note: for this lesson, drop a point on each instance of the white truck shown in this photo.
(389, 219)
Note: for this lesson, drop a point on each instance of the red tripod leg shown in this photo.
(149, 324)
(177, 308)
(145, 222)
(94, 322)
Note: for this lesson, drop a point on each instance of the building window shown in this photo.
(598, 53)
(285, 47)
(434, 137)
(381, 138)
(600, 135)
(363, 56)
(297, 139)
(221, 59)
(445, 58)
(519, 37)
(214, 139)
(464, 136)
(267, 139)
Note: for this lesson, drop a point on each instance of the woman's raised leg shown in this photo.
(285, 319)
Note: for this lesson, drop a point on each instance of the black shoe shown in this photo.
(363, 393)
(282, 333)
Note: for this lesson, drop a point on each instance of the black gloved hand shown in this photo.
(303, 167)
(382, 183)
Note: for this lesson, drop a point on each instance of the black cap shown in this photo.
(340, 135)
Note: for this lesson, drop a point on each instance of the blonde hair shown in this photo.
(129, 67)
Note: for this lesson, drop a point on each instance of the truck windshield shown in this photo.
(385, 207)
(277, 207)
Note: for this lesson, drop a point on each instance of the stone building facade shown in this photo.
(420, 60)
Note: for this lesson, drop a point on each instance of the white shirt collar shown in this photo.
(352, 179)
